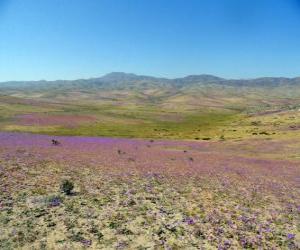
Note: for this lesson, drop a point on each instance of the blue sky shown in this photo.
(63, 39)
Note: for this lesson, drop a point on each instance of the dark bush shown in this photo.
(67, 187)
(264, 133)
(256, 123)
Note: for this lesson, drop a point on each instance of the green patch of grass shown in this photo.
(188, 127)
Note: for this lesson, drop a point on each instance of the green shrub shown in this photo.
(67, 187)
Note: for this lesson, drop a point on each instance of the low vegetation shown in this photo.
(137, 194)
(150, 166)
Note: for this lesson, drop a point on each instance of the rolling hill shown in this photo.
(121, 104)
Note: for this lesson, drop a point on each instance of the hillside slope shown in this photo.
(129, 105)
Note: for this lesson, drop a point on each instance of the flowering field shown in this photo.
(148, 194)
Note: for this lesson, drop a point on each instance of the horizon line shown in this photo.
(143, 75)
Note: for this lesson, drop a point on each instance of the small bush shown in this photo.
(256, 123)
(264, 133)
(67, 187)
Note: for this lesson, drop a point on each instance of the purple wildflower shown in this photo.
(54, 202)
(86, 242)
(190, 221)
(291, 236)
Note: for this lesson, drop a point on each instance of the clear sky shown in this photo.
(69, 39)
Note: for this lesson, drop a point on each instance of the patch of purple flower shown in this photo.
(86, 243)
(54, 201)
(190, 221)
(290, 236)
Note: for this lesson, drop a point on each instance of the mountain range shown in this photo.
(125, 80)
(194, 92)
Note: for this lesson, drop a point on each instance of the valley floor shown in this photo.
(149, 194)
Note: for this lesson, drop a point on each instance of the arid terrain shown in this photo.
(189, 163)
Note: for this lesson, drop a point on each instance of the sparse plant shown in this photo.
(67, 187)
(264, 133)
(256, 123)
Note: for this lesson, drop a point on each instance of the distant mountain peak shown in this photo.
(205, 77)
(116, 73)
(118, 76)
